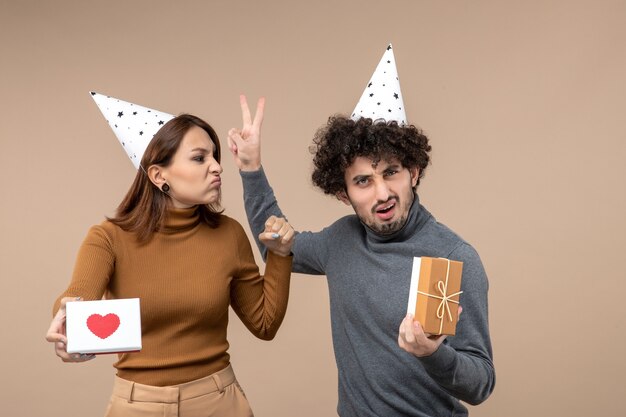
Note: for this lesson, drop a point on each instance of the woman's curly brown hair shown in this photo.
(336, 146)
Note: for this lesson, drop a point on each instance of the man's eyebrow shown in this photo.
(393, 166)
(360, 177)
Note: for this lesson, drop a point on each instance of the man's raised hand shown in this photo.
(245, 143)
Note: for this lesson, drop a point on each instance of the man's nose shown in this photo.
(382, 191)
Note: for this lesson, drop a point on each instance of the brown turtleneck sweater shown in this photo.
(186, 276)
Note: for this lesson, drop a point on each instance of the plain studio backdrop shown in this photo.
(523, 102)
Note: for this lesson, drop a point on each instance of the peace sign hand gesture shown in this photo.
(245, 143)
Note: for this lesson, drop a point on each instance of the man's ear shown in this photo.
(343, 197)
(155, 175)
(415, 172)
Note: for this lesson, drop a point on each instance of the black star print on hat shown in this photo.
(134, 133)
(384, 85)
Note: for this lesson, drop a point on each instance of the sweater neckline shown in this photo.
(181, 219)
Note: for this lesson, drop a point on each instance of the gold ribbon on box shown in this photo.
(445, 298)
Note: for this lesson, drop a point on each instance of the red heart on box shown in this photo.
(103, 326)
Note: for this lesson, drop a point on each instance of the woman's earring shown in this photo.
(165, 188)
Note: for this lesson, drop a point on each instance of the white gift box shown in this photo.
(103, 326)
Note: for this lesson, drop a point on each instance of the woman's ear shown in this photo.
(155, 175)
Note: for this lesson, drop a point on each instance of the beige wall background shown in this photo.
(523, 101)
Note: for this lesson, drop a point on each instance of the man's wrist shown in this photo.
(250, 167)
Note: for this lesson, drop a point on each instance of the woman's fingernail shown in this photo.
(275, 235)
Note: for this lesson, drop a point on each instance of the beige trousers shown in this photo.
(216, 395)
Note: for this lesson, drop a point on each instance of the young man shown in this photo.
(387, 365)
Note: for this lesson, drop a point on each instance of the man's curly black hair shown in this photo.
(337, 144)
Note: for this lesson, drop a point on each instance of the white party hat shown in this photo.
(382, 98)
(133, 125)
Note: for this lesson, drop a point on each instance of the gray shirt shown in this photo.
(368, 282)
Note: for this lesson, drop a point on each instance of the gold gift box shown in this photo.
(436, 288)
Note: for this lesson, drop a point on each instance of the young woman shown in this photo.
(170, 246)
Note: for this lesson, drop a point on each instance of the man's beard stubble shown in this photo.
(389, 228)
